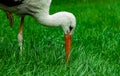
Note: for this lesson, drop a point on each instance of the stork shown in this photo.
(39, 9)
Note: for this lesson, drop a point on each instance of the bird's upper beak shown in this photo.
(67, 46)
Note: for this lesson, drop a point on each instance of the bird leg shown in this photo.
(20, 37)
(67, 46)
(10, 17)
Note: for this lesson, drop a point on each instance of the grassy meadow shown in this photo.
(95, 43)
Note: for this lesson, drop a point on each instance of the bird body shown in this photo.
(39, 9)
(24, 7)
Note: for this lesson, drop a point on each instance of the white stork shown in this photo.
(39, 9)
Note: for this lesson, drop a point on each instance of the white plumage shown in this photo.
(39, 9)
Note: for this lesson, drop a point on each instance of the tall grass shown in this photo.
(95, 45)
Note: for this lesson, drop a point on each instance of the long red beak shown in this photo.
(67, 46)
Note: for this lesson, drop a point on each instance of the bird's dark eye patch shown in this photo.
(70, 28)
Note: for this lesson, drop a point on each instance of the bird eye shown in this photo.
(70, 28)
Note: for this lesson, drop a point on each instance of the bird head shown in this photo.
(68, 23)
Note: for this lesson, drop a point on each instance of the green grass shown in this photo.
(95, 46)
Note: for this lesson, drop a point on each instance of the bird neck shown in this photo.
(49, 20)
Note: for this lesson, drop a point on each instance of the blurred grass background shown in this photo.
(95, 47)
(56, 2)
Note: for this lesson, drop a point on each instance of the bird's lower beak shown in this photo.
(67, 46)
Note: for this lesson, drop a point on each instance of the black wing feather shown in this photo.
(11, 3)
